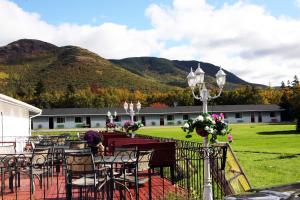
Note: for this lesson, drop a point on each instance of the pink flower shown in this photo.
(215, 116)
(229, 138)
(222, 115)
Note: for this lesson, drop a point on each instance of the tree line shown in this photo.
(287, 96)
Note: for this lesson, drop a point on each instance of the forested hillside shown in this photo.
(49, 76)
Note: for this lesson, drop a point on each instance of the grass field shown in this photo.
(269, 154)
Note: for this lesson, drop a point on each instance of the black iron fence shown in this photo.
(189, 167)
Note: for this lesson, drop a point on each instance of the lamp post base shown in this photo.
(207, 193)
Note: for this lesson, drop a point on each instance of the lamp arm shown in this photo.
(195, 96)
(216, 96)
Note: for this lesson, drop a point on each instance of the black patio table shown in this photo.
(114, 161)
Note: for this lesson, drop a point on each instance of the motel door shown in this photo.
(252, 117)
(162, 120)
(143, 120)
(88, 122)
(259, 117)
(51, 124)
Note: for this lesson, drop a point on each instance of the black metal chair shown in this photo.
(81, 173)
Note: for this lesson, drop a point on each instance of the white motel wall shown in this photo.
(96, 118)
(15, 119)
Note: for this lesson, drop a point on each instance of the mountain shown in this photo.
(174, 72)
(26, 62)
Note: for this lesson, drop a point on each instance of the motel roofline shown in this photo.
(161, 111)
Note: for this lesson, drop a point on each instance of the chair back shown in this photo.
(144, 158)
(77, 145)
(131, 152)
(40, 156)
(9, 149)
(80, 163)
(61, 141)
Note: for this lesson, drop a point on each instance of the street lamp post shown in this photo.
(131, 109)
(196, 82)
(111, 117)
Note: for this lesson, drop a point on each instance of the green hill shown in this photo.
(25, 62)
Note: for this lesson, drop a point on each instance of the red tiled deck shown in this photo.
(161, 188)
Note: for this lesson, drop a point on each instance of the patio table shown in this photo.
(113, 162)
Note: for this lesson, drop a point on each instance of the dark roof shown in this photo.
(168, 110)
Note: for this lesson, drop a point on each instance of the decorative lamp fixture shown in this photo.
(196, 82)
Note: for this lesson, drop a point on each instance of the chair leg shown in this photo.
(80, 193)
(149, 184)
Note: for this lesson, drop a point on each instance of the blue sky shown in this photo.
(129, 12)
(257, 40)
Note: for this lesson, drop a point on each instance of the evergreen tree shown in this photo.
(295, 81)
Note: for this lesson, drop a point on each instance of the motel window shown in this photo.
(272, 114)
(60, 120)
(78, 120)
(170, 117)
(185, 117)
(238, 115)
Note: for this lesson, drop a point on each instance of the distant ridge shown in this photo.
(173, 72)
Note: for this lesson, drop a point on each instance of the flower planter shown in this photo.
(201, 132)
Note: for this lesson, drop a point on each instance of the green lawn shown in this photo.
(269, 154)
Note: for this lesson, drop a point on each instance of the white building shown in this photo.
(96, 118)
(15, 119)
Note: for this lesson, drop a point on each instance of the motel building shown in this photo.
(61, 118)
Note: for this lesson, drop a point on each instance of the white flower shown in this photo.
(206, 128)
(208, 118)
(223, 131)
(211, 130)
(186, 125)
(200, 118)
(213, 122)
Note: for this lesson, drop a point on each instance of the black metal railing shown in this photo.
(189, 167)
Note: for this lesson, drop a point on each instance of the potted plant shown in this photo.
(93, 139)
(206, 124)
(132, 126)
(110, 125)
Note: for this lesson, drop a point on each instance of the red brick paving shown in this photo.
(56, 190)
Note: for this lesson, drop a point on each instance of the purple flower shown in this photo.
(92, 137)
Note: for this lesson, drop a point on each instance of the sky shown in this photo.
(258, 40)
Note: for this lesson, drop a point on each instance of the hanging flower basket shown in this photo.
(132, 126)
(205, 125)
(201, 132)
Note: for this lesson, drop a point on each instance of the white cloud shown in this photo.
(108, 40)
(297, 2)
(243, 38)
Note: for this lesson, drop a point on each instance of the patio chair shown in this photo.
(78, 144)
(142, 172)
(5, 166)
(38, 166)
(81, 173)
